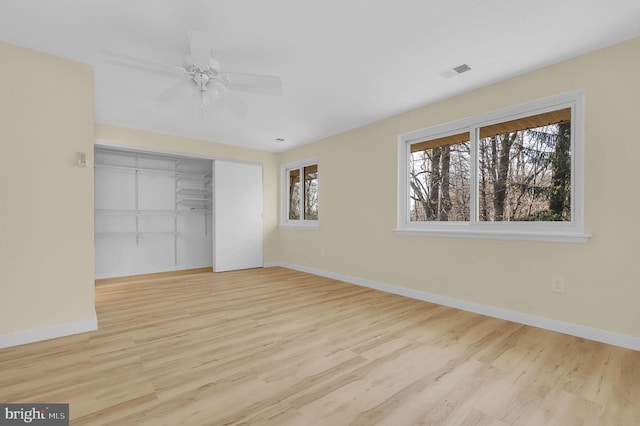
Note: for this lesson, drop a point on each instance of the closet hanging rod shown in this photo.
(133, 212)
(159, 213)
(139, 233)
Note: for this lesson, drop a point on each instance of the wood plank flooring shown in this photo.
(279, 347)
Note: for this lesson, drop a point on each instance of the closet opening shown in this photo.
(153, 213)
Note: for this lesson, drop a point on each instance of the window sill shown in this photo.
(553, 236)
(312, 226)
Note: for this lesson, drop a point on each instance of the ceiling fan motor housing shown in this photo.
(202, 79)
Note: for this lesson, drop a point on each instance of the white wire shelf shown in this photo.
(194, 191)
(139, 234)
(112, 212)
(163, 163)
(181, 174)
(195, 202)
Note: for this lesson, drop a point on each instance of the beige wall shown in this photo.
(46, 207)
(358, 173)
(46, 201)
(120, 136)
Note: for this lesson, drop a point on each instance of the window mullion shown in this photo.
(302, 194)
(474, 133)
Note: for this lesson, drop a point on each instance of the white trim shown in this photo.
(572, 231)
(598, 335)
(310, 225)
(559, 237)
(106, 144)
(46, 333)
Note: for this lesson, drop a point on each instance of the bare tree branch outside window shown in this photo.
(439, 183)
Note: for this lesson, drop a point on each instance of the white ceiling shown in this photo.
(343, 63)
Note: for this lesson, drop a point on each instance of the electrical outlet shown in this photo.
(558, 285)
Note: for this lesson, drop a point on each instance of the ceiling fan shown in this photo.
(202, 75)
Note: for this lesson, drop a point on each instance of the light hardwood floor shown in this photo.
(279, 347)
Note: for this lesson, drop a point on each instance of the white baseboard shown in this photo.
(46, 333)
(577, 330)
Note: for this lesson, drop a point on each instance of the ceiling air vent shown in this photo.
(455, 71)
(462, 68)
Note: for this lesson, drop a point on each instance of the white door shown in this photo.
(238, 228)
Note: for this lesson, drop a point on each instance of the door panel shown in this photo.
(238, 228)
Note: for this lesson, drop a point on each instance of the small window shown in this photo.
(514, 174)
(300, 194)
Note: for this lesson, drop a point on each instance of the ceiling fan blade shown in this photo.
(183, 88)
(233, 104)
(251, 82)
(200, 48)
(144, 63)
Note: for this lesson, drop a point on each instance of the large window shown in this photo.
(300, 194)
(515, 173)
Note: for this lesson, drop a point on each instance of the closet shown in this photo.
(153, 213)
(160, 213)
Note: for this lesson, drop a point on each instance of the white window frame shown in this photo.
(302, 223)
(569, 231)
